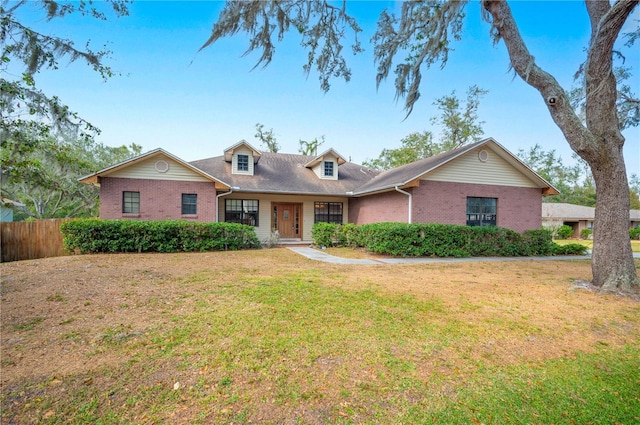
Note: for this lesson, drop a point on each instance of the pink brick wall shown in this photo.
(388, 206)
(159, 199)
(519, 209)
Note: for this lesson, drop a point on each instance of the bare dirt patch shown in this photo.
(61, 316)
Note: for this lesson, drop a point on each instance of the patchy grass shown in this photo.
(27, 324)
(271, 337)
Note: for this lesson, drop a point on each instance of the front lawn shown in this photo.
(272, 337)
(635, 245)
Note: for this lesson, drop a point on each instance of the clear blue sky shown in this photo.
(194, 105)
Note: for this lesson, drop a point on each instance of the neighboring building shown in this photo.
(477, 184)
(578, 217)
(6, 209)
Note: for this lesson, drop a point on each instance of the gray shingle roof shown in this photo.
(290, 173)
(286, 173)
(560, 210)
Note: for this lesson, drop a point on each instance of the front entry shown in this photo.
(286, 220)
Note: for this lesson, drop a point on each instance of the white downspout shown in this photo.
(218, 209)
(410, 200)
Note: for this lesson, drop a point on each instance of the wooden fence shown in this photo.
(29, 240)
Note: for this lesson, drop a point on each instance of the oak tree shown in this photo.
(32, 121)
(421, 37)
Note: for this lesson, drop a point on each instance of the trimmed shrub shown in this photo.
(539, 242)
(585, 233)
(325, 234)
(570, 249)
(497, 241)
(333, 234)
(564, 232)
(634, 233)
(94, 235)
(351, 235)
(435, 240)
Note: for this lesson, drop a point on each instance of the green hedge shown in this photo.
(564, 232)
(569, 249)
(586, 233)
(94, 235)
(440, 240)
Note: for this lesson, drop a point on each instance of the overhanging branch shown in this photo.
(523, 62)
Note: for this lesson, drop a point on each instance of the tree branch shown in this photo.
(596, 10)
(600, 80)
(423, 32)
(504, 27)
(50, 49)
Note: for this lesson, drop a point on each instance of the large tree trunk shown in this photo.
(599, 142)
(612, 258)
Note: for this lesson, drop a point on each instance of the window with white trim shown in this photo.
(243, 162)
(328, 168)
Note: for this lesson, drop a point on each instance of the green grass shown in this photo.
(232, 352)
(600, 388)
(635, 245)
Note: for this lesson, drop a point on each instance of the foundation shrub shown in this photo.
(539, 242)
(438, 240)
(325, 234)
(333, 234)
(351, 235)
(94, 235)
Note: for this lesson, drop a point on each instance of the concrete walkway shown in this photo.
(319, 255)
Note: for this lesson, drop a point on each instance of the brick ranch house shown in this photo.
(578, 217)
(478, 184)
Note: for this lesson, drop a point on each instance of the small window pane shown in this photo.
(131, 202)
(328, 169)
(243, 162)
(189, 203)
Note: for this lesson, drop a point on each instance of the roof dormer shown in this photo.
(326, 164)
(243, 158)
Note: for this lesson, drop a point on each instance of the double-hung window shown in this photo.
(482, 211)
(189, 203)
(131, 202)
(243, 211)
(328, 169)
(328, 212)
(243, 162)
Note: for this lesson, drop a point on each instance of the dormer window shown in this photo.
(325, 165)
(328, 168)
(243, 158)
(243, 162)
